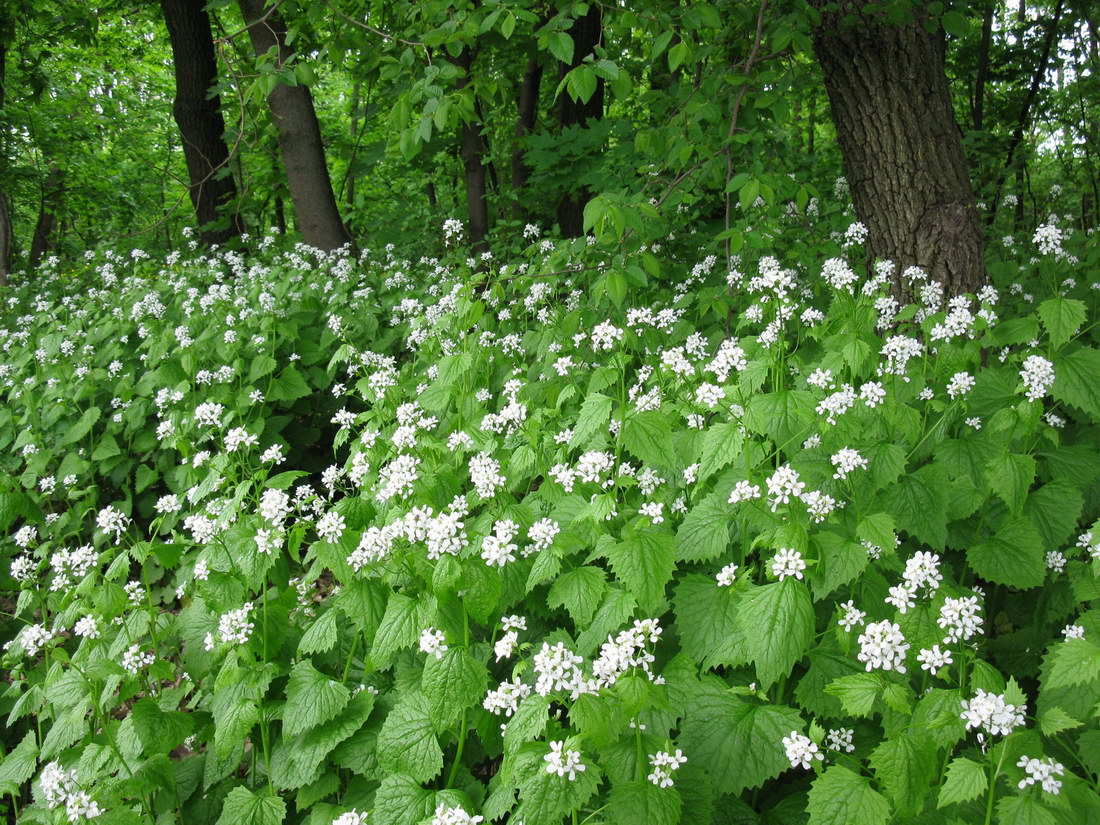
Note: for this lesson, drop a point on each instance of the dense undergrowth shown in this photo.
(568, 536)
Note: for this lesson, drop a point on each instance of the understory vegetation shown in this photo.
(554, 531)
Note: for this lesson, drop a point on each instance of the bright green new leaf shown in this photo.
(706, 619)
(965, 780)
(242, 807)
(905, 767)
(918, 503)
(407, 741)
(1012, 556)
(722, 443)
(1073, 662)
(649, 436)
(400, 800)
(704, 533)
(1061, 318)
(452, 683)
(594, 415)
(1075, 380)
(857, 692)
(580, 592)
(1010, 477)
(842, 797)
(321, 636)
(643, 802)
(777, 621)
(644, 563)
(311, 698)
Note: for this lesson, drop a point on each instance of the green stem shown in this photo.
(453, 772)
(351, 655)
(993, 786)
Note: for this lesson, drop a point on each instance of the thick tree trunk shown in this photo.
(902, 153)
(199, 118)
(477, 204)
(586, 33)
(527, 106)
(42, 242)
(299, 136)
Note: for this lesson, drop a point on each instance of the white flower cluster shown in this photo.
(1038, 376)
(485, 475)
(593, 467)
(991, 713)
(959, 617)
(787, 562)
(351, 818)
(563, 762)
(1041, 771)
(506, 698)
(432, 642)
(499, 549)
(558, 669)
(456, 815)
(664, 764)
(233, 628)
(801, 750)
(847, 460)
(882, 645)
(133, 660)
(61, 787)
(625, 651)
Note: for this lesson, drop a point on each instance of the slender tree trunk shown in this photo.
(199, 117)
(527, 107)
(299, 136)
(586, 33)
(983, 67)
(349, 193)
(903, 157)
(5, 239)
(477, 204)
(1024, 118)
(42, 241)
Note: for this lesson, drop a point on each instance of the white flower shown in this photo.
(456, 815)
(852, 615)
(959, 617)
(788, 562)
(743, 490)
(991, 713)
(664, 764)
(485, 475)
(506, 645)
(801, 750)
(840, 739)
(726, 576)
(654, 511)
(133, 660)
(431, 642)
(782, 485)
(881, 645)
(506, 698)
(239, 437)
(1073, 631)
(331, 526)
(1038, 376)
(351, 818)
(846, 461)
(562, 762)
(1041, 771)
(168, 504)
(961, 383)
(709, 395)
(110, 520)
(932, 659)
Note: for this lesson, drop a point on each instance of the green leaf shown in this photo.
(905, 767)
(841, 561)
(739, 743)
(878, 529)
(582, 83)
(527, 723)
(19, 763)
(1075, 380)
(785, 416)
(704, 533)
(1012, 556)
(649, 436)
(706, 619)
(1010, 477)
(158, 730)
(297, 761)
(401, 627)
(321, 636)
(918, 502)
(1073, 662)
(641, 801)
(311, 698)
(263, 364)
(452, 683)
(83, 426)
(965, 780)
(594, 415)
(1054, 509)
(857, 692)
(560, 45)
(955, 23)
(722, 444)
(400, 800)
(777, 621)
(407, 742)
(1024, 810)
(242, 807)
(288, 385)
(617, 607)
(842, 797)
(1054, 720)
(644, 563)
(546, 798)
(580, 592)
(1061, 318)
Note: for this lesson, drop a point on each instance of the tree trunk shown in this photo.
(299, 136)
(527, 113)
(983, 66)
(586, 33)
(47, 216)
(477, 204)
(199, 118)
(5, 239)
(902, 153)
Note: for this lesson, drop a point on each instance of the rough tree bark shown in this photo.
(903, 157)
(42, 242)
(527, 106)
(199, 117)
(299, 136)
(5, 210)
(586, 33)
(477, 203)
